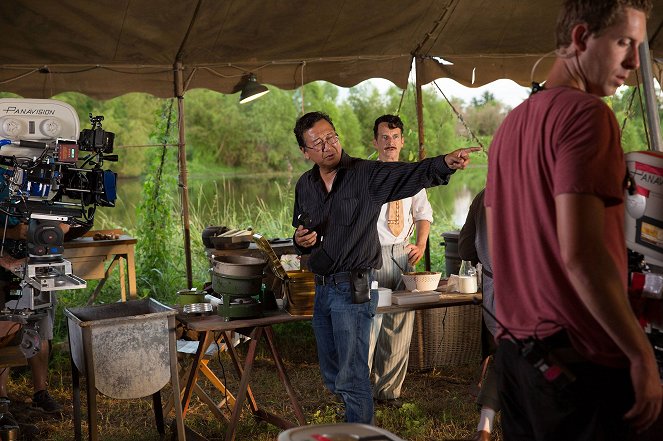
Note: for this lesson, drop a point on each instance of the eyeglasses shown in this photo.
(319, 144)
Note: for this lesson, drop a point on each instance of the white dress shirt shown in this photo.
(415, 209)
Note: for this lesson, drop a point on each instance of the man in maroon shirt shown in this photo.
(555, 214)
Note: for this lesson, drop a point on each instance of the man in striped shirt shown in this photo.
(337, 204)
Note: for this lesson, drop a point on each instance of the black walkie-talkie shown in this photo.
(538, 355)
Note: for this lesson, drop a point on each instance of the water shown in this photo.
(213, 199)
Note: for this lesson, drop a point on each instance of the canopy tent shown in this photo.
(106, 48)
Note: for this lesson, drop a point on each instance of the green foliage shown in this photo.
(159, 273)
(628, 109)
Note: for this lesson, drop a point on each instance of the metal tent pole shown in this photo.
(651, 106)
(422, 147)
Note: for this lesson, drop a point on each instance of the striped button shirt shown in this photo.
(346, 217)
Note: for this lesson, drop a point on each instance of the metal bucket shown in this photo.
(451, 256)
(299, 292)
(126, 344)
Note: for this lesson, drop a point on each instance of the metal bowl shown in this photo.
(242, 266)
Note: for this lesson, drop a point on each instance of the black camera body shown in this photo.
(96, 139)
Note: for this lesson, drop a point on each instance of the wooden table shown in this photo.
(255, 328)
(88, 259)
(446, 300)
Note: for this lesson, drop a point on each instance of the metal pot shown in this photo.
(242, 266)
(187, 297)
(240, 286)
(210, 232)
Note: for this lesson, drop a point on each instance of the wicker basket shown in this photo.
(445, 337)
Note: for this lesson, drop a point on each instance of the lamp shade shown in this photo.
(252, 90)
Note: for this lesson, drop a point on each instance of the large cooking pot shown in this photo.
(238, 286)
(242, 266)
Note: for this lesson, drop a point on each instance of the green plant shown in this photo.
(158, 272)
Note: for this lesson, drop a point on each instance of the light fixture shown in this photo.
(252, 90)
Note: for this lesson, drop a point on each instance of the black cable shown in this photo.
(223, 369)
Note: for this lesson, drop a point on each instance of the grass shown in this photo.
(440, 403)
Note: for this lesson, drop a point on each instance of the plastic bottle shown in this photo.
(467, 278)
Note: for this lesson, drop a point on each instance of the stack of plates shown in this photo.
(197, 308)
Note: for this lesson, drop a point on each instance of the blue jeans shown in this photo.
(342, 331)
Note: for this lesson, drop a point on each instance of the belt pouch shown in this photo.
(361, 291)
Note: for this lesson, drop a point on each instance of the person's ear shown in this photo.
(579, 36)
(375, 144)
(304, 152)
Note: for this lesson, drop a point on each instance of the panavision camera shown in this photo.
(52, 174)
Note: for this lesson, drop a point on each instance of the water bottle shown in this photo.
(467, 278)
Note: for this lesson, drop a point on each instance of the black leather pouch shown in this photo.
(361, 290)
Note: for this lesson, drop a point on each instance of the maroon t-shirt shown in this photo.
(558, 141)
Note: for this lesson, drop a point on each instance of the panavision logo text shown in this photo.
(13, 110)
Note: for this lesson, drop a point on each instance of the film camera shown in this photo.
(53, 174)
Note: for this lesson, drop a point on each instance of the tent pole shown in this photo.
(650, 97)
(422, 147)
(181, 162)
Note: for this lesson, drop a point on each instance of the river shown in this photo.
(213, 199)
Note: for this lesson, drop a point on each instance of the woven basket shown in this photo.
(445, 337)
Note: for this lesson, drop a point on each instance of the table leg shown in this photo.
(76, 392)
(269, 336)
(244, 382)
(131, 272)
(123, 288)
(175, 381)
(238, 368)
(204, 340)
